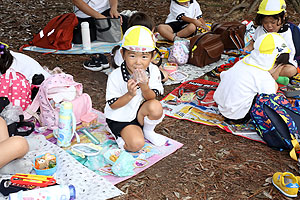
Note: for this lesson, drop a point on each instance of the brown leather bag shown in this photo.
(232, 34)
(205, 49)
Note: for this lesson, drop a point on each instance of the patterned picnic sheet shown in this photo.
(145, 158)
(193, 101)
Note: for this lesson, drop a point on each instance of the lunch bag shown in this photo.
(16, 88)
(49, 113)
(205, 49)
(232, 34)
(179, 52)
(277, 122)
(109, 30)
(57, 34)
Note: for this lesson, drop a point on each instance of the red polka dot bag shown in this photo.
(16, 88)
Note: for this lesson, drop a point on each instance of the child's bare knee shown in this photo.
(155, 108)
(136, 145)
(21, 145)
(191, 28)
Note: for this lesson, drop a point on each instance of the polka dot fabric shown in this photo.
(88, 184)
(16, 88)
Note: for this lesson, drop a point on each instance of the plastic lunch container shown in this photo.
(45, 172)
(170, 67)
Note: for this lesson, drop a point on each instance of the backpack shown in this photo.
(57, 34)
(179, 52)
(49, 113)
(296, 40)
(16, 88)
(205, 49)
(232, 34)
(277, 122)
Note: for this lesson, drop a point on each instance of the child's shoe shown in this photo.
(96, 63)
(286, 183)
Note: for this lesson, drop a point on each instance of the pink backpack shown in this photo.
(16, 88)
(179, 52)
(56, 83)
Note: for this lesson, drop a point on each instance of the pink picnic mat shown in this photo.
(146, 157)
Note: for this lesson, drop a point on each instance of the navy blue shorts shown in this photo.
(117, 127)
(177, 25)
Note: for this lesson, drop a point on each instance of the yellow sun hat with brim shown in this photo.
(271, 7)
(183, 1)
(138, 38)
(267, 48)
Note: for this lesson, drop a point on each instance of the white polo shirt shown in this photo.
(99, 5)
(238, 87)
(117, 87)
(27, 66)
(177, 11)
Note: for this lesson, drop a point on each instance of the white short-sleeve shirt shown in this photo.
(177, 11)
(238, 87)
(287, 35)
(27, 66)
(99, 5)
(117, 87)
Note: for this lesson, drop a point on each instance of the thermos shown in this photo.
(85, 34)
(66, 125)
(56, 192)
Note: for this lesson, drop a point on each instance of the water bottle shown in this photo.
(85, 34)
(66, 125)
(56, 192)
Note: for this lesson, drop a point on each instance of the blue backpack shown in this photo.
(277, 122)
(296, 39)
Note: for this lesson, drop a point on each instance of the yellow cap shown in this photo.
(266, 49)
(271, 7)
(138, 38)
(183, 1)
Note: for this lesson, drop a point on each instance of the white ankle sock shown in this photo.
(149, 134)
(120, 142)
(21, 165)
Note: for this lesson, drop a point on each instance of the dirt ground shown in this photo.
(212, 164)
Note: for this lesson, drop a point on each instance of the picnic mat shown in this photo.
(88, 185)
(193, 101)
(145, 158)
(96, 47)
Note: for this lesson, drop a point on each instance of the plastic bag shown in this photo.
(11, 113)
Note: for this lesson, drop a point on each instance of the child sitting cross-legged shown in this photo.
(254, 74)
(272, 17)
(131, 110)
(184, 19)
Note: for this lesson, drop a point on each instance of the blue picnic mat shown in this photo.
(97, 47)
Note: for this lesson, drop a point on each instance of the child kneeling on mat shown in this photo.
(131, 110)
(254, 74)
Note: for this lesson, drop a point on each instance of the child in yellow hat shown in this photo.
(184, 19)
(254, 74)
(271, 17)
(131, 109)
